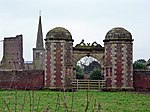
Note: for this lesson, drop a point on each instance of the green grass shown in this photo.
(109, 101)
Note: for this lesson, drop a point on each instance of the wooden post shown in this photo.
(77, 84)
(99, 85)
(88, 84)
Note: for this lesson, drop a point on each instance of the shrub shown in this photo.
(96, 74)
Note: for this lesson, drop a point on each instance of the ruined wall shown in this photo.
(27, 79)
(141, 80)
(13, 53)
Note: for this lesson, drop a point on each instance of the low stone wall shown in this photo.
(141, 80)
(22, 79)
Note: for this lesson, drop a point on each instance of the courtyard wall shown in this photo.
(34, 79)
(141, 80)
(22, 79)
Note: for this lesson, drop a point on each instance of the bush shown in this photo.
(96, 74)
(140, 64)
(79, 73)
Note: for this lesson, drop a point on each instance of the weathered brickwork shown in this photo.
(13, 53)
(113, 63)
(26, 79)
(68, 64)
(108, 65)
(68, 55)
(48, 63)
(141, 80)
(118, 66)
(59, 65)
(52, 64)
(129, 66)
(59, 69)
(118, 59)
(124, 64)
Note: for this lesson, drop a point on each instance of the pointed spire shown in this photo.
(39, 42)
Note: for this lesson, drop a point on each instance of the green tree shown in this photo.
(79, 72)
(94, 64)
(140, 64)
(96, 74)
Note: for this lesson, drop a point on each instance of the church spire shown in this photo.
(39, 41)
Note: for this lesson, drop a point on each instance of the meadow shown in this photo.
(80, 101)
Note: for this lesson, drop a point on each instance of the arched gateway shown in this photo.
(81, 50)
(115, 58)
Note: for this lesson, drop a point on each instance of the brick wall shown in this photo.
(118, 65)
(141, 80)
(27, 79)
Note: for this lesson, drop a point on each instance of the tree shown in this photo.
(92, 65)
(141, 61)
(79, 73)
(140, 64)
(88, 64)
(96, 74)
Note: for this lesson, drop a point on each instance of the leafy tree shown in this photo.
(88, 64)
(94, 64)
(140, 64)
(141, 61)
(96, 74)
(79, 72)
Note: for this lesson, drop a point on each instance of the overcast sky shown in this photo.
(85, 19)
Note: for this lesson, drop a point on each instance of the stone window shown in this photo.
(37, 55)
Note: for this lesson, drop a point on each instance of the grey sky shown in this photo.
(85, 19)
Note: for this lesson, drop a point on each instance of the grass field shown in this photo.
(23, 101)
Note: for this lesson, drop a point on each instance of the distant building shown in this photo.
(148, 63)
(13, 53)
(28, 65)
(39, 51)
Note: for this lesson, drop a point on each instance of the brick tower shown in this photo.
(118, 69)
(39, 51)
(13, 53)
(59, 66)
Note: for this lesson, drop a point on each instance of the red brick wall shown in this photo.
(108, 62)
(27, 79)
(48, 65)
(58, 65)
(119, 66)
(129, 66)
(141, 80)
